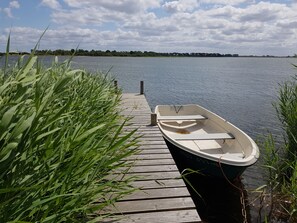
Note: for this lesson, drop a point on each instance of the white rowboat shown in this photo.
(209, 143)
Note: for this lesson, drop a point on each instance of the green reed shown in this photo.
(280, 161)
(287, 113)
(61, 135)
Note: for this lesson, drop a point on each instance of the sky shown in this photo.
(245, 27)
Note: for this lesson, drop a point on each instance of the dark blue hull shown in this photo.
(205, 166)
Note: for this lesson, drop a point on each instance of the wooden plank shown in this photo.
(155, 168)
(150, 205)
(134, 119)
(157, 193)
(137, 107)
(148, 169)
(150, 184)
(156, 175)
(145, 142)
(154, 151)
(146, 176)
(155, 133)
(156, 136)
(149, 156)
(154, 162)
(143, 147)
(148, 136)
(147, 128)
(156, 217)
(136, 112)
(149, 139)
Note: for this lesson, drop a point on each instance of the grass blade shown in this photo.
(7, 53)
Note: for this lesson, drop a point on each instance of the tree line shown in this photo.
(82, 52)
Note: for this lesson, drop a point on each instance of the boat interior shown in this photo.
(203, 136)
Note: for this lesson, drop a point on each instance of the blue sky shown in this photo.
(247, 27)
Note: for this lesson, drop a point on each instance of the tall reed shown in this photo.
(61, 135)
(280, 161)
(287, 113)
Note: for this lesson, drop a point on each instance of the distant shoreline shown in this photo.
(108, 53)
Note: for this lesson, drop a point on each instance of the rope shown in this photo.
(242, 200)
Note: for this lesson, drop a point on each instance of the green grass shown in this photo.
(61, 135)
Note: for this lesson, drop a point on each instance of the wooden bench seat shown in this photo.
(204, 136)
(181, 117)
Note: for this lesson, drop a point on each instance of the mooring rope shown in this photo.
(242, 200)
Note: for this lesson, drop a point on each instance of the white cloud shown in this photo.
(227, 2)
(96, 13)
(223, 12)
(14, 4)
(263, 12)
(180, 5)
(78, 16)
(27, 37)
(54, 4)
(126, 6)
(8, 10)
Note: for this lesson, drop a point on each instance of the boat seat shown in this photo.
(181, 117)
(205, 136)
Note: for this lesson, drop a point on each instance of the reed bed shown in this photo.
(280, 160)
(61, 137)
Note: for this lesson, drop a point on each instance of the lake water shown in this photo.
(241, 90)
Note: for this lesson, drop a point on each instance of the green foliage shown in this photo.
(280, 161)
(287, 113)
(61, 135)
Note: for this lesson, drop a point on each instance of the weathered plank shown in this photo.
(158, 193)
(152, 136)
(154, 162)
(149, 156)
(150, 205)
(148, 169)
(147, 142)
(156, 217)
(146, 176)
(154, 151)
(150, 184)
(143, 147)
(155, 168)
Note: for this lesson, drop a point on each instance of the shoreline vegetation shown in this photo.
(278, 197)
(114, 53)
(62, 143)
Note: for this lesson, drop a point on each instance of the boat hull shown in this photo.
(204, 166)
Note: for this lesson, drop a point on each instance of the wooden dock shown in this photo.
(162, 195)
